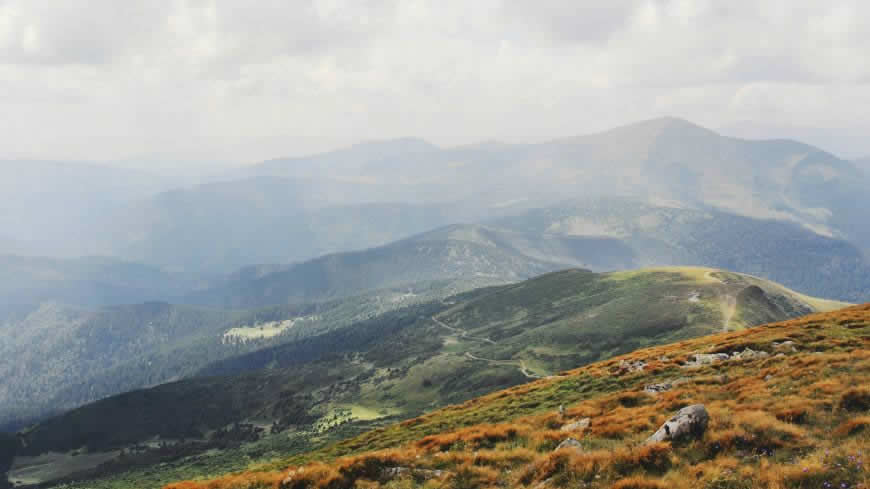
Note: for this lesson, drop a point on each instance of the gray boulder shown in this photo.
(689, 422)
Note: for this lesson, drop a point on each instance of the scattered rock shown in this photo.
(768, 377)
(288, 481)
(699, 359)
(577, 425)
(393, 472)
(689, 422)
(664, 386)
(788, 345)
(636, 366)
(749, 354)
(570, 443)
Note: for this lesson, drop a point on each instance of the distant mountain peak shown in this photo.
(667, 123)
(404, 143)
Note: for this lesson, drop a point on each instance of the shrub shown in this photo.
(853, 426)
(856, 399)
(655, 457)
(468, 476)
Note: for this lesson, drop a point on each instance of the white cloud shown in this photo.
(251, 80)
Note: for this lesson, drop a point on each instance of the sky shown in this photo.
(243, 81)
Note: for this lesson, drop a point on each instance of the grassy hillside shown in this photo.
(59, 357)
(407, 362)
(796, 417)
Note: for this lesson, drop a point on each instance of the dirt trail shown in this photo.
(520, 364)
(709, 275)
(462, 333)
(517, 363)
(728, 303)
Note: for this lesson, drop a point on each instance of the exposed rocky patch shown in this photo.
(635, 366)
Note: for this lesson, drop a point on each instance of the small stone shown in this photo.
(664, 386)
(577, 425)
(570, 443)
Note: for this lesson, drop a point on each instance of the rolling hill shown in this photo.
(400, 364)
(597, 234)
(467, 255)
(787, 408)
(669, 233)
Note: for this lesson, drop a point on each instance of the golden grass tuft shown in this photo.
(638, 482)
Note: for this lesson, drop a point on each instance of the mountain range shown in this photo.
(309, 299)
(295, 209)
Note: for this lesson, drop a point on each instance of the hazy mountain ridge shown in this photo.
(27, 281)
(61, 208)
(295, 209)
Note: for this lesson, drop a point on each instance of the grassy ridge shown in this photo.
(795, 420)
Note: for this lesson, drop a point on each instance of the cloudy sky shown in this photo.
(242, 81)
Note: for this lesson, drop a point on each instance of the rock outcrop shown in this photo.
(689, 422)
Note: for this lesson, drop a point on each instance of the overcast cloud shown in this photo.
(249, 80)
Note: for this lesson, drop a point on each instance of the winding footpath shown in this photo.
(520, 364)
(462, 333)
